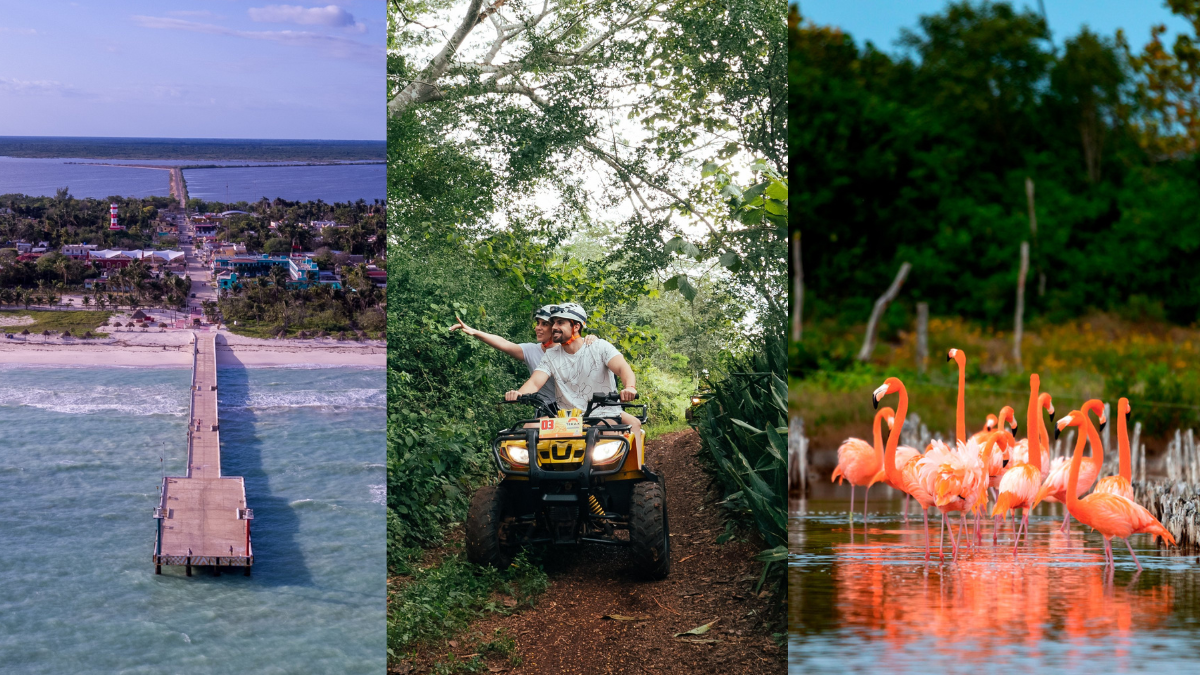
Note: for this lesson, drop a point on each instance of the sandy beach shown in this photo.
(152, 348)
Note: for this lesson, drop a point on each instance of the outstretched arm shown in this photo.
(620, 366)
(533, 385)
(513, 350)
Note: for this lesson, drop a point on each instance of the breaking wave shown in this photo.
(161, 399)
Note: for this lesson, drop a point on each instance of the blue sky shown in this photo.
(203, 69)
(880, 21)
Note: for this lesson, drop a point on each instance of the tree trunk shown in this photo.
(880, 305)
(922, 336)
(797, 290)
(1019, 319)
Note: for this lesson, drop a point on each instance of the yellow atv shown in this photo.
(586, 482)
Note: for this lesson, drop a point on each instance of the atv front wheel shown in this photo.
(648, 531)
(487, 537)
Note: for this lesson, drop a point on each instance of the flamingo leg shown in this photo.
(942, 536)
(995, 529)
(866, 496)
(1066, 526)
(925, 515)
(953, 542)
(1108, 559)
(1024, 523)
(852, 502)
(906, 498)
(1135, 559)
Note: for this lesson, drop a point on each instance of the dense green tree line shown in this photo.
(63, 219)
(921, 155)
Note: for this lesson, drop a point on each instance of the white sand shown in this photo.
(132, 347)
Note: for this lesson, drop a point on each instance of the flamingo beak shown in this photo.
(878, 394)
(1103, 423)
(1057, 431)
(1050, 410)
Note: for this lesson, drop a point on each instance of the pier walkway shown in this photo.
(202, 517)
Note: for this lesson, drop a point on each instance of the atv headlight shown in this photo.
(604, 451)
(519, 454)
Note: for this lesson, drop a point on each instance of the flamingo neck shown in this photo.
(1123, 444)
(1097, 446)
(1076, 460)
(1033, 420)
(961, 421)
(878, 434)
(889, 456)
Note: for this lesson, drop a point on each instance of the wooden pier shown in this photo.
(202, 517)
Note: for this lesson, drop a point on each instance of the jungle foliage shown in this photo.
(921, 155)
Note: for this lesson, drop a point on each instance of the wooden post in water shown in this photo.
(1019, 319)
(922, 336)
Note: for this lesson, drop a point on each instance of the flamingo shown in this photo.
(1019, 485)
(1054, 489)
(1020, 453)
(904, 453)
(1120, 484)
(859, 463)
(957, 478)
(903, 478)
(989, 425)
(1109, 514)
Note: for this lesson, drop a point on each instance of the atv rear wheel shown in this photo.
(648, 532)
(487, 536)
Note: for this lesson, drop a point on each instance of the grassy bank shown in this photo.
(437, 600)
(1102, 356)
(78, 322)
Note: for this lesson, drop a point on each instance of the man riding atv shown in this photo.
(578, 474)
(529, 352)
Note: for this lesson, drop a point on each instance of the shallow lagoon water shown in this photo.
(89, 178)
(80, 467)
(865, 600)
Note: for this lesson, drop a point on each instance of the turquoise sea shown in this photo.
(82, 451)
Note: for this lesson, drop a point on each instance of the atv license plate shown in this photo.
(555, 427)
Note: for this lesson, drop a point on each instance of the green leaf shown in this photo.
(673, 245)
(690, 249)
(731, 260)
(777, 190)
(772, 555)
(685, 288)
(709, 169)
(672, 284)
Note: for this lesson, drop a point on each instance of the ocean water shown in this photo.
(344, 183)
(82, 451)
(85, 178)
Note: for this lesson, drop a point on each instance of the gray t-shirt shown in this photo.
(533, 356)
(582, 374)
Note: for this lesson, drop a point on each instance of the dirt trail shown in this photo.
(566, 631)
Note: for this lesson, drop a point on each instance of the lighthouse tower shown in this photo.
(112, 225)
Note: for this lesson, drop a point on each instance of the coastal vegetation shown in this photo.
(266, 307)
(357, 227)
(63, 219)
(36, 321)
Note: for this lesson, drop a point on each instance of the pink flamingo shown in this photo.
(859, 463)
(1109, 514)
(903, 478)
(1019, 485)
(1120, 484)
(1054, 488)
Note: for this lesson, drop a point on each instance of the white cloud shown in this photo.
(18, 31)
(332, 45)
(195, 13)
(330, 15)
(52, 87)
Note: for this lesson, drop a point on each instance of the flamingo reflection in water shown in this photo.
(975, 612)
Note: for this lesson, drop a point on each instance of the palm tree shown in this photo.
(86, 301)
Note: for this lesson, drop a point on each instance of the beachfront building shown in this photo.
(232, 270)
(115, 259)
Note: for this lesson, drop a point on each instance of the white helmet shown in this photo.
(569, 310)
(543, 312)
